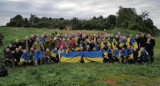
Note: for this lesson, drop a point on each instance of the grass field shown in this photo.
(91, 74)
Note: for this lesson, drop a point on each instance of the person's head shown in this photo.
(117, 36)
(119, 33)
(17, 41)
(24, 51)
(112, 35)
(88, 46)
(61, 47)
(38, 49)
(31, 49)
(149, 35)
(142, 49)
(114, 40)
(58, 35)
(123, 48)
(44, 33)
(81, 49)
(130, 36)
(116, 48)
(101, 48)
(134, 48)
(37, 39)
(98, 44)
(109, 47)
(124, 38)
(26, 38)
(73, 49)
(137, 36)
(128, 47)
(17, 49)
(94, 49)
(84, 36)
(32, 36)
(92, 41)
(42, 36)
(76, 44)
(47, 50)
(20, 47)
(142, 35)
(7, 49)
(49, 36)
(104, 41)
(10, 46)
(55, 49)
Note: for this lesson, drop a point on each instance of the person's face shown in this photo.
(116, 49)
(128, 48)
(32, 49)
(38, 49)
(24, 51)
(7, 50)
(109, 47)
(141, 49)
(142, 35)
(20, 47)
(55, 49)
(123, 49)
(47, 50)
(17, 50)
(17, 41)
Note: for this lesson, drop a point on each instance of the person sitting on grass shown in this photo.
(123, 56)
(129, 54)
(143, 57)
(47, 56)
(8, 60)
(32, 51)
(16, 56)
(116, 55)
(25, 58)
(108, 55)
(39, 57)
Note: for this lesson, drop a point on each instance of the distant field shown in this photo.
(92, 74)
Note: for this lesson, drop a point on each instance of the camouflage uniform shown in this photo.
(57, 43)
(38, 45)
(1, 39)
(47, 57)
(8, 60)
(48, 43)
(32, 56)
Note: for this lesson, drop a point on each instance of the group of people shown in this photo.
(48, 49)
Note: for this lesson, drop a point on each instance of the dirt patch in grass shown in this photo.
(111, 81)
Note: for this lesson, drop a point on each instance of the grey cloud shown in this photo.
(75, 8)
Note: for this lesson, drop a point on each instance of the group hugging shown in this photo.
(49, 48)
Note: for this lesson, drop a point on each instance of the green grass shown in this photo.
(91, 74)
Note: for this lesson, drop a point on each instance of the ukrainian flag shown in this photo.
(72, 57)
(133, 42)
(25, 57)
(90, 56)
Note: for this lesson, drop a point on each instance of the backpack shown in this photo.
(3, 71)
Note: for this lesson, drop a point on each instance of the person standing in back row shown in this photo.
(150, 46)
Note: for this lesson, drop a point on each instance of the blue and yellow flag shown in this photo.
(90, 56)
(72, 57)
(39, 55)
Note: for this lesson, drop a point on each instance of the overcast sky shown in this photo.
(83, 9)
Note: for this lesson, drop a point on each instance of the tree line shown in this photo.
(126, 18)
